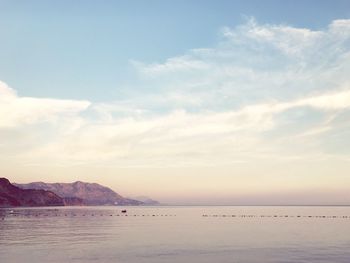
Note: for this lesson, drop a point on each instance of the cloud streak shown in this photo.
(264, 91)
(16, 111)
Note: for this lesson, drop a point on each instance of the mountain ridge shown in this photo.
(12, 196)
(146, 200)
(89, 193)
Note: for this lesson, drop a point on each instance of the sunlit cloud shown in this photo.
(262, 91)
(16, 111)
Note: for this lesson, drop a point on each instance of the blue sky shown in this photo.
(188, 102)
(82, 49)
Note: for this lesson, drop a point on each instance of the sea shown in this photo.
(261, 234)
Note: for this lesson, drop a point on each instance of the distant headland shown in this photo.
(60, 194)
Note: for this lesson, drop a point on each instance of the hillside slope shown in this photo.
(90, 193)
(11, 195)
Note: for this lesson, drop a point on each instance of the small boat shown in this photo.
(123, 211)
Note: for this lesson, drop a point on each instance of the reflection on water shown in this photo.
(175, 234)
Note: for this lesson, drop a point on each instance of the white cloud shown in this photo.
(176, 64)
(335, 101)
(16, 110)
(212, 105)
(6, 92)
(291, 41)
(254, 63)
(179, 137)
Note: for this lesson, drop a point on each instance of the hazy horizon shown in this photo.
(302, 198)
(187, 102)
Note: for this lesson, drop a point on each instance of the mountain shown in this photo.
(88, 193)
(73, 201)
(146, 200)
(11, 195)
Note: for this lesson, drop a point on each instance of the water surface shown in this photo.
(175, 234)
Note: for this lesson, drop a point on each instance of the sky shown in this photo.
(188, 102)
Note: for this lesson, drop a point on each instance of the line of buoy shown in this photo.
(278, 216)
(173, 215)
(85, 215)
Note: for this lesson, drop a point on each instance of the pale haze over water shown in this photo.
(175, 234)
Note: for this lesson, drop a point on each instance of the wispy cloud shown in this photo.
(259, 93)
(16, 111)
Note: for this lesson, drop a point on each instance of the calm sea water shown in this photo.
(175, 234)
